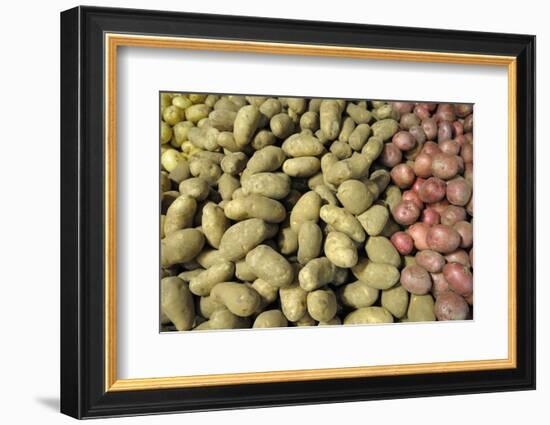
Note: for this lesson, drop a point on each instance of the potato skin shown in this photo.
(340, 249)
(240, 299)
(214, 223)
(269, 265)
(380, 250)
(406, 213)
(368, 315)
(358, 295)
(443, 239)
(432, 261)
(354, 196)
(310, 240)
(342, 221)
(255, 206)
(245, 124)
(270, 319)
(459, 277)
(451, 306)
(181, 246)
(416, 280)
(177, 303)
(293, 302)
(321, 305)
(242, 237)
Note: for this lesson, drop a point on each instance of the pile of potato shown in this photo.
(301, 212)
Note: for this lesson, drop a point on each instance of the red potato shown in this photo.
(469, 172)
(409, 120)
(444, 166)
(429, 216)
(402, 107)
(443, 239)
(406, 213)
(429, 106)
(469, 299)
(419, 232)
(429, 125)
(432, 190)
(423, 165)
(416, 280)
(458, 128)
(431, 148)
(460, 278)
(422, 112)
(459, 256)
(460, 164)
(450, 147)
(445, 112)
(417, 183)
(450, 306)
(411, 195)
(432, 261)
(439, 284)
(403, 176)
(461, 140)
(418, 134)
(469, 137)
(471, 255)
(452, 214)
(467, 152)
(469, 123)
(444, 131)
(463, 109)
(466, 231)
(439, 206)
(470, 207)
(459, 191)
(391, 155)
(403, 242)
(404, 140)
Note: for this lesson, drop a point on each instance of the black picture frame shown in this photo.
(83, 392)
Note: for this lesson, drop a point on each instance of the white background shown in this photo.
(140, 344)
(29, 229)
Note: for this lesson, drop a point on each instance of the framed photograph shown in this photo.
(261, 212)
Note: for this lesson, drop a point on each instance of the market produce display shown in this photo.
(281, 212)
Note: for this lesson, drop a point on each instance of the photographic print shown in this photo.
(283, 211)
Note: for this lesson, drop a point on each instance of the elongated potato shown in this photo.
(203, 283)
(358, 295)
(271, 185)
(270, 319)
(342, 221)
(302, 144)
(180, 246)
(269, 265)
(330, 113)
(316, 273)
(255, 206)
(177, 303)
(306, 209)
(180, 214)
(376, 275)
(266, 159)
(310, 239)
(242, 237)
(368, 315)
(381, 250)
(240, 299)
(245, 124)
(293, 302)
(340, 250)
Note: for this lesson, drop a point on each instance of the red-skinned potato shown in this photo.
(439, 206)
(418, 134)
(459, 256)
(403, 176)
(429, 216)
(450, 306)
(423, 165)
(419, 233)
(409, 120)
(445, 112)
(467, 152)
(444, 131)
(404, 140)
(403, 242)
(458, 128)
(402, 107)
(422, 112)
(429, 125)
(416, 280)
(459, 277)
(443, 239)
(439, 284)
(450, 147)
(417, 183)
(432, 261)
(466, 231)
(431, 148)
(452, 214)
(444, 166)
(459, 191)
(391, 155)
(405, 213)
(412, 196)
(432, 190)
(463, 109)
(468, 123)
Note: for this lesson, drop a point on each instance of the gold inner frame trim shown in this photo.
(113, 41)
